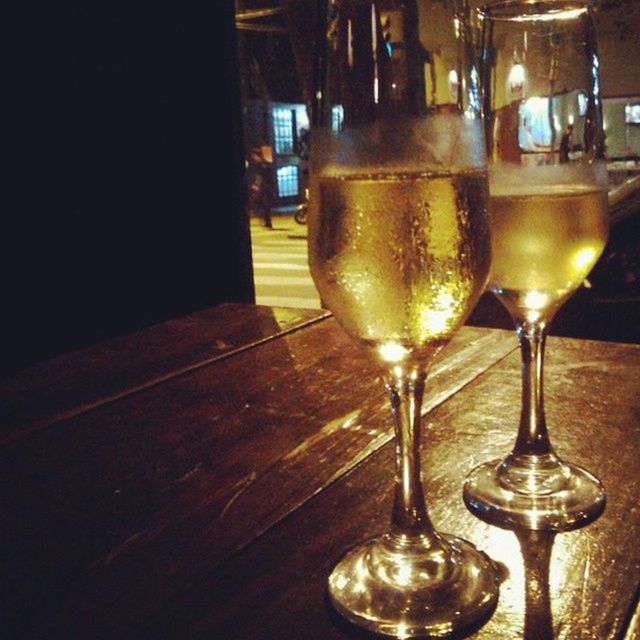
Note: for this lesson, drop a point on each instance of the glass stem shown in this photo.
(533, 438)
(409, 516)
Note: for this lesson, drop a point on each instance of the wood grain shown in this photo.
(120, 508)
(579, 585)
(75, 382)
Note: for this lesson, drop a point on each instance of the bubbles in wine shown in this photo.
(400, 258)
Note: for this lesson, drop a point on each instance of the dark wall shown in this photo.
(123, 202)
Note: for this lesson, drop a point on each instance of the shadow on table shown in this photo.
(536, 548)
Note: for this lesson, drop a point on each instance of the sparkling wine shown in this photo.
(400, 259)
(544, 245)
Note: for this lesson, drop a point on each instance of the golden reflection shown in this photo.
(351, 420)
(536, 300)
(584, 258)
(565, 554)
(392, 352)
(502, 546)
(436, 318)
(566, 14)
(534, 516)
(340, 582)
(360, 574)
(404, 574)
(526, 592)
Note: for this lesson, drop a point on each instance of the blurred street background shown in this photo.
(281, 271)
(606, 307)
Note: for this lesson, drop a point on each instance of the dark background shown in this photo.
(123, 199)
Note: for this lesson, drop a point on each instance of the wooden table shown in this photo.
(200, 479)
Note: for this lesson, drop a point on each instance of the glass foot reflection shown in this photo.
(534, 492)
(420, 586)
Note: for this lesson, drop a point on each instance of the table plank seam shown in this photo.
(355, 463)
(49, 421)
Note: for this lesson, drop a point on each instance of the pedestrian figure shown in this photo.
(566, 144)
(260, 186)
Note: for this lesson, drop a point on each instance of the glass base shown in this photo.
(407, 587)
(534, 492)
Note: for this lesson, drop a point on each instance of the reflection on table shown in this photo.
(168, 485)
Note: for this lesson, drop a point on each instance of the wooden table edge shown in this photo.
(60, 416)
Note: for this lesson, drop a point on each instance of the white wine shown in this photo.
(400, 259)
(544, 245)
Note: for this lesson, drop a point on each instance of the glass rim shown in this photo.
(533, 10)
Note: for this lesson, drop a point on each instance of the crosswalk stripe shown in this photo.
(282, 280)
(280, 266)
(285, 266)
(265, 255)
(277, 244)
(289, 301)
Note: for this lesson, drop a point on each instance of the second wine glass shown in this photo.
(548, 184)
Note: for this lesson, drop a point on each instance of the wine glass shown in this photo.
(399, 250)
(548, 205)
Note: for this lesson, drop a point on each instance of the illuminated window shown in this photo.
(287, 181)
(535, 130)
(337, 117)
(582, 104)
(543, 123)
(283, 130)
(632, 114)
